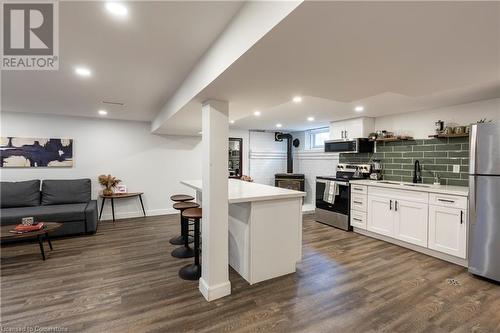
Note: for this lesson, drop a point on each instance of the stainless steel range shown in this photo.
(333, 194)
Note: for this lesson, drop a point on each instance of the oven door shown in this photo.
(341, 202)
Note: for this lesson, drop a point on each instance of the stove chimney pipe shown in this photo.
(278, 136)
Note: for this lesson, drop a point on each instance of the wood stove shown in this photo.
(289, 180)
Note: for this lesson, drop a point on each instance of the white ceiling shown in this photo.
(140, 60)
(390, 57)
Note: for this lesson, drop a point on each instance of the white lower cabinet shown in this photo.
(380, 215)
(411, 221)
(448, 230)
(400, 219)
(434, 221)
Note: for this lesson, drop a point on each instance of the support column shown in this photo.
(214, 281)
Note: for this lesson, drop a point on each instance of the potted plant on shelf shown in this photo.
(109, 183)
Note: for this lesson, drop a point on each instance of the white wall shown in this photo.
(148, 163)
(267, 157)
(420, 124)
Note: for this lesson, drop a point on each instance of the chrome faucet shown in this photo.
(417, 173)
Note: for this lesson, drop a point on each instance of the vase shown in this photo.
(107, 191)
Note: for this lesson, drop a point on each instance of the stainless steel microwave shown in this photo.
(360, 145)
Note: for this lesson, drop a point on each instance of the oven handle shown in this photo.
(324, 181)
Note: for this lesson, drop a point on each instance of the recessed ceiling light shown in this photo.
(82, 71)
(117, 9)
(256, 113)
(297, 99)
(359, 108)
(231, 121)
(102, 112)
(200, 132)
(310, 118)
(279, 125)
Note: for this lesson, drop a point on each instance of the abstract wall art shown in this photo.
(18, 152)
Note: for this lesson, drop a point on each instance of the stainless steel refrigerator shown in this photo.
(484, 201)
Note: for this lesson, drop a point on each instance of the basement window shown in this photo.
(318, 137)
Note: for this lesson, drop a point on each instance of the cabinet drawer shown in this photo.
(397, 194)
(358, 202)
(359, 189)
(445, 200)
(358, 219)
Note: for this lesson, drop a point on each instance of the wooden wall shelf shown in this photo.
(449, 135)
(393, 139)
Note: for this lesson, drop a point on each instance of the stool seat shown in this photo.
(192, 213)
(185, 205)
(181, 197)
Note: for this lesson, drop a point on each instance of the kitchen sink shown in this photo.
(389, 182)
(417, 185)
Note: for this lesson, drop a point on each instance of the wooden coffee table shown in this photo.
(39, 234)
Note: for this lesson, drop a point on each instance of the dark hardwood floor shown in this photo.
(123, 279)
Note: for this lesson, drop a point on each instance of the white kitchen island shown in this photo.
(265, 228)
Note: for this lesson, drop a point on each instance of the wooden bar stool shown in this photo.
(179, 240)
(193, 271)
(184, 251)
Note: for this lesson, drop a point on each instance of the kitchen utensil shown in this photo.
(439, 125)
(459, 130)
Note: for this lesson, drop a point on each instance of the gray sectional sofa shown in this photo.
(65, 201)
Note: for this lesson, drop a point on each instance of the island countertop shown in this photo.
(241, 191)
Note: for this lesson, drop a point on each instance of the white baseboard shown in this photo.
(214, 292)
(308, 209)
(429, 252)
(127, 215)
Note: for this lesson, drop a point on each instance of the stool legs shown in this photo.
(193, 271)
(179, 240)
(184, 251)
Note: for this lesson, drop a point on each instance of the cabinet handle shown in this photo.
(390, 204)
(396, 205)
(346, 134)
(356, 219)
(357, 189)
(461, 217)
(358, 202)
(448, 201)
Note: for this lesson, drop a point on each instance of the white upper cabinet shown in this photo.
(351, 128)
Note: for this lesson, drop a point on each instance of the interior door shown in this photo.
(411, 221)
(380, 215)
(448, 230)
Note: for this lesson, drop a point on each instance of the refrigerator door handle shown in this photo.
(473, 149)
(472, 200)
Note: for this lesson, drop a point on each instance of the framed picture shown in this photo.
(16, 152)
(121, 188)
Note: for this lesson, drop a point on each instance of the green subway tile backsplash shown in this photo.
(435, 156)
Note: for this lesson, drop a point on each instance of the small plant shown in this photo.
(109, 183)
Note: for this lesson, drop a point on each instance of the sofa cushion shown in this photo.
(52, 213)
(20, 194)
(57, 192)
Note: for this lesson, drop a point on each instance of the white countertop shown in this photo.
(240, 191)
(443, 189)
